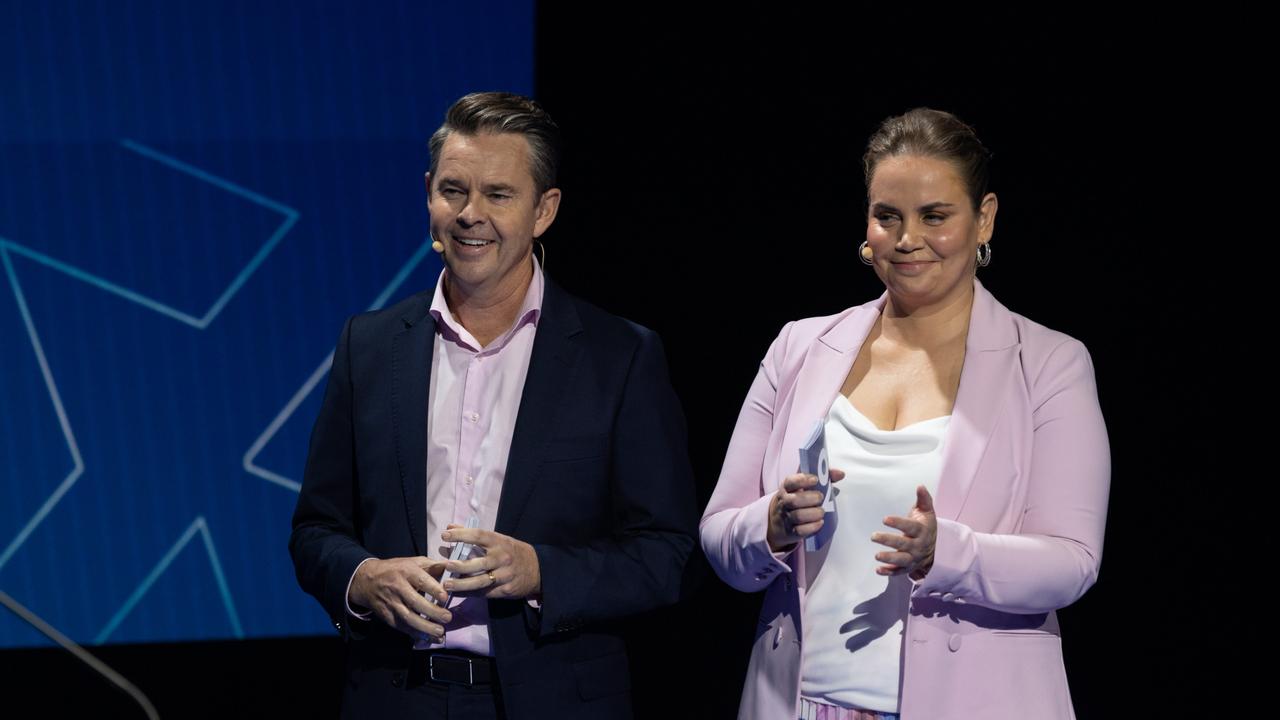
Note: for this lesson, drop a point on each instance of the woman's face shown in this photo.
(922, 229)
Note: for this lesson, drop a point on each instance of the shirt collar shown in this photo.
(449, 327)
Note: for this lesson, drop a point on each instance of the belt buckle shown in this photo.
(471, 674)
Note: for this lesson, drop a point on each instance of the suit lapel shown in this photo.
(411, 351)
(989, 371)
(551, 366)
(990, 364)
(826, 365)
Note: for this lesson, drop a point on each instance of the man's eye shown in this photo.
(450, 192)
(498, 197)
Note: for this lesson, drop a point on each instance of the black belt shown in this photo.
(458, 667)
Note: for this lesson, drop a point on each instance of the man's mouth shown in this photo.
(473, 242)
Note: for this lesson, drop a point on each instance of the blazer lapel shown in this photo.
(826, 365)
(551, 367)
(822, 373)
(989, 371)
(990, 364)
(411, 351)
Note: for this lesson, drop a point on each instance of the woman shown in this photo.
(932, 609)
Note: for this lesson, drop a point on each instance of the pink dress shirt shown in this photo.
(475, 396)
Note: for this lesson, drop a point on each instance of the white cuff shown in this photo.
(347, 595)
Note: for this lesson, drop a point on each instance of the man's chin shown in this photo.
(479, 275)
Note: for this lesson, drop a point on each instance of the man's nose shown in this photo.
(470, 214)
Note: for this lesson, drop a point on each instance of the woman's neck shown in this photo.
(927, 326)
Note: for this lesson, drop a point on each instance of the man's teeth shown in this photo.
(473, 243)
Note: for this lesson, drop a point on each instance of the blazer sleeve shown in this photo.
(735, 524)
(1055, 555)
(324, 544)
(640, 566)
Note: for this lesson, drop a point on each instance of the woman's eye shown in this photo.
(934, 218)
(886, 218)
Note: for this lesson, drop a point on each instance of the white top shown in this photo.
(853, 618)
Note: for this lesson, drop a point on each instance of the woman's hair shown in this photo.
(931, 133)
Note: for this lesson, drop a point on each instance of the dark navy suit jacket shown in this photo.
(598, 481)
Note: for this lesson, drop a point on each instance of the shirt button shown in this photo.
(475, 417)
(469, 480)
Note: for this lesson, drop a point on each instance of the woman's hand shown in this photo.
(796, 510)
(913, 549)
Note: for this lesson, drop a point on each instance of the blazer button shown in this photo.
(953, 643)
(397, 680)
(948, 597)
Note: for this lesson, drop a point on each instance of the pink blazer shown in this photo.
(1021, 506)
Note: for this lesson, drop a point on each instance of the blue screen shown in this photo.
(193, 197)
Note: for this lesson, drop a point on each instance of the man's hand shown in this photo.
(394, 590)
(507, 569)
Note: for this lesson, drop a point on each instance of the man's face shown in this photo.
(486, 210)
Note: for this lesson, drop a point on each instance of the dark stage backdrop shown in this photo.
(714, 191)
(194, 199)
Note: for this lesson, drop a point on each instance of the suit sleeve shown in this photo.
(324, 544)
(735, 524)
(1055, 555)
(640, 566)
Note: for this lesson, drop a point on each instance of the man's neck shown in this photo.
(487, 313)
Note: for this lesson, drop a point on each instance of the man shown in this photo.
(498, 397)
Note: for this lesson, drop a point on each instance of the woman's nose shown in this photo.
(912, 237)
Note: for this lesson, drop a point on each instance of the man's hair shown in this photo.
(500, 112)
